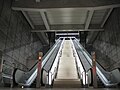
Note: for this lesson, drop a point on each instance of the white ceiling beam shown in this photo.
(67, 34)
(66, 30)
(44, 18)
(106, 18)
(28, 19)
(89, 18)
(59, 4)
(37, 9)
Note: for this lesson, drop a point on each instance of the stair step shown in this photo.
(67, 83)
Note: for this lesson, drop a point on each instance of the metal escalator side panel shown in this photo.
(18, 76)
(100, 74)
(53, 69)
(49, 53)
(85, 63)
(79, 64)
(51, 59)
(32, 78)
(26, 78)
(103, 75)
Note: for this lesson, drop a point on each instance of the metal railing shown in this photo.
(80, 66)
(108, 78)
(53, 70)
(26, 78)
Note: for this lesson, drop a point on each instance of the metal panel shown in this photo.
(68, 19)
(36, 18)
(98, 16)
(45, 20)
(28, 19)
(67, 30)
(71, 16)
(89, 18)
(83, 4)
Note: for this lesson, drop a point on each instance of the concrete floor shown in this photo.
(60, 89)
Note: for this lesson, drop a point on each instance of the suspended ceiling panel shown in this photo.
(67, 16)
(90, 14)
(35, 18)
(67, 19)
(98, 16)
(64, 16)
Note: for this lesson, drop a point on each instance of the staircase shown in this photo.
(67, 83)
(67, 76)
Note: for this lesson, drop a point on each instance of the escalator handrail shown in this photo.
(83, 54)
(82, 62)
(55, 55)
(42, 58)
(51, 54)
(59, 50)
(74, 47)
(107, 84)
(33, 68)
(50, 50)
(96, 61)
(104, 68)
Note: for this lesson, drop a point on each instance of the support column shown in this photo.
(94, 70)
(38, 80)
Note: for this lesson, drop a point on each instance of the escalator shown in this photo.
(27, 78)
(52, 62)
(109, 79)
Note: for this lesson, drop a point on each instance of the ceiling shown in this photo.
(43, 18)
(67, 19)
(70, 16)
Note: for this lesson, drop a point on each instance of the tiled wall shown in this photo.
(17, 43)
(107, 43)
